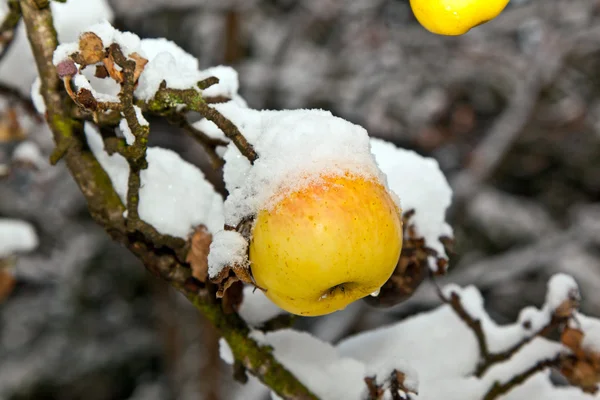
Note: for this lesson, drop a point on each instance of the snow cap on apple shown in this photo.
(325, 228)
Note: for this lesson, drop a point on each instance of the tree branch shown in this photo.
(107, 210)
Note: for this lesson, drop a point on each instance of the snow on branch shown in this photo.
(109, 191)
(163, 210)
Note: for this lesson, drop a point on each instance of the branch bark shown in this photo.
(107, 210)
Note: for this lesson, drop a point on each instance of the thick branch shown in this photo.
(107, 210)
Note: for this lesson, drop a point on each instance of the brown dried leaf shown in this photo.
(233, 297)
(7, 284)
(375, 391)
(230, 275)
(101, 72)
(572, 338)
(87, 99)
(412, 267)
(10, 128)
(91, 48)
(566, 309)
(581, 373)
(111, 68)
(140, 64)
(198, 255)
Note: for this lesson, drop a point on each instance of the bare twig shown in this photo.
(193, 100)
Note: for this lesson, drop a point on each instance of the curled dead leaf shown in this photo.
(140, 64)
(198, 254)
(412, 267)
(91, 49)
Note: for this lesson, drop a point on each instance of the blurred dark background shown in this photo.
(511, 111)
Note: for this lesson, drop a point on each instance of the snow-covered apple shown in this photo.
(327, 244)
(455, 17)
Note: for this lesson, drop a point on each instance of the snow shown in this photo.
(16, 236)
(82, 82)
(561, 288)
(3, 9)
(166, 62)
(421, 186)
(316, 364)
(295, 148)
(225, 352)
(436, 351)
(591, 330)
(172, 206)
(126, 131)
(227, 248)
(18, 69)
(36, 96)
(28, 151)
(256, 308)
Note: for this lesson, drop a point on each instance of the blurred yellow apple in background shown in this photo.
(455, 17)
(326, 245)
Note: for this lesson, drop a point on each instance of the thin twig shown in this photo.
(8, 26)
(499, 389)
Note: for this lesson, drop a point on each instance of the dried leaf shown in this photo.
(230, 275)
(412, 267)
(566, 309)
(198, 255)
(101, 72)
(572, 338)
(375, 391)
(7, 282)
(581, 373)
(140, 63)
(87, 99)
(233, 297)
(111, 68)
(91, 48)
(10, 128)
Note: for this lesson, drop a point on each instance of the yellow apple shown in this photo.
(326, 245)
(455, 17)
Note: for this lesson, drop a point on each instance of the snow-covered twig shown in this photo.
(498, 389)
(488, 358)
(193, 100)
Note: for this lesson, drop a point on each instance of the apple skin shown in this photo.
(327, 245)
(455, 17)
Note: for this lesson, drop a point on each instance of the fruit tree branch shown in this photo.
(160, 256)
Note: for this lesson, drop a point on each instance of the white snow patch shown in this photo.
(317, 364)
(36, 96)
(295, 148)
(420, 185)
(256, 308)
(28, 151)
(16, 236)
(166, 62)
(225, 351)
(174, 195)
(561, 288)
(227, 248)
